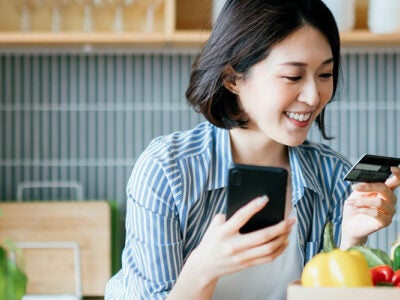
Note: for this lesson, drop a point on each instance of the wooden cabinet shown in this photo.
(172, 23)
(46, 232)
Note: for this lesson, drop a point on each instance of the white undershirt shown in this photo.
(265, 282)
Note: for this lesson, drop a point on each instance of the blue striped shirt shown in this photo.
(179, 183)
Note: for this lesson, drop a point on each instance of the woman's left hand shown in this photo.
(369, 208)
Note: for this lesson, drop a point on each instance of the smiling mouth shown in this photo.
(298, 117)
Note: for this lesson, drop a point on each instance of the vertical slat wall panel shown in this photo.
(85, 117)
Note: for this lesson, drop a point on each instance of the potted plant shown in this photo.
(13, 279)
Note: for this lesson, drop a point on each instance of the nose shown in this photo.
(309, 93)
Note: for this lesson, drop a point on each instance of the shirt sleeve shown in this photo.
(152, 257)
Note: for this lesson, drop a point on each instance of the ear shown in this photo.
(230, 78)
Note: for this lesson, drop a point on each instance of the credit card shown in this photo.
(372, 168)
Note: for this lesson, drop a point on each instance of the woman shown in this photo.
(265, 75)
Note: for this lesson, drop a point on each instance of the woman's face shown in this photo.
(283, 94)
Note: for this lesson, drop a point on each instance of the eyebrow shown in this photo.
(300, 64)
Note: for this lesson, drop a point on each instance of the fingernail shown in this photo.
(292, 221)
(262, 200)
(395, 170)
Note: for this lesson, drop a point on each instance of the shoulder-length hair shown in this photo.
(243, 35)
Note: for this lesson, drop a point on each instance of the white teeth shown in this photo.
(299, 117)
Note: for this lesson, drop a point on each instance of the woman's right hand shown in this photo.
(224, 250)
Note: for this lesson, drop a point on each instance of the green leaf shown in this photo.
(19, 259)
(3, 273)
(375, 257)
(13, 280)
(396, 258)
(16, 282)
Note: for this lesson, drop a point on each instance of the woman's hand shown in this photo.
(369, 208)
(229, 251)
(224, 250)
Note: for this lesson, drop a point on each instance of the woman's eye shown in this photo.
(293, 78)
(326, 75)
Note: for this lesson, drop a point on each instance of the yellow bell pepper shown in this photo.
(337, 268)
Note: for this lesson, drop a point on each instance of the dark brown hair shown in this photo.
(242, 36)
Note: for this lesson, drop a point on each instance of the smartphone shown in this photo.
(247, 182)
(372, 168)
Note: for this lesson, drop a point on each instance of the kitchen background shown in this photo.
(73, 119)
(81, 119)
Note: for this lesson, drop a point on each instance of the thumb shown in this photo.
(394, 181)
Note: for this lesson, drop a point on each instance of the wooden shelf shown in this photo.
(363, 37)
(77, 39)
(178, 38)
(175, 25)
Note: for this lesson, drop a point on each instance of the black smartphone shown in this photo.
(247, 182)
(372, 168)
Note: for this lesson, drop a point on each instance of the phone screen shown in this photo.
(247, 182)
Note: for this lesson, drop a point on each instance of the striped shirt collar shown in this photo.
(221, 160)
(303, 172)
